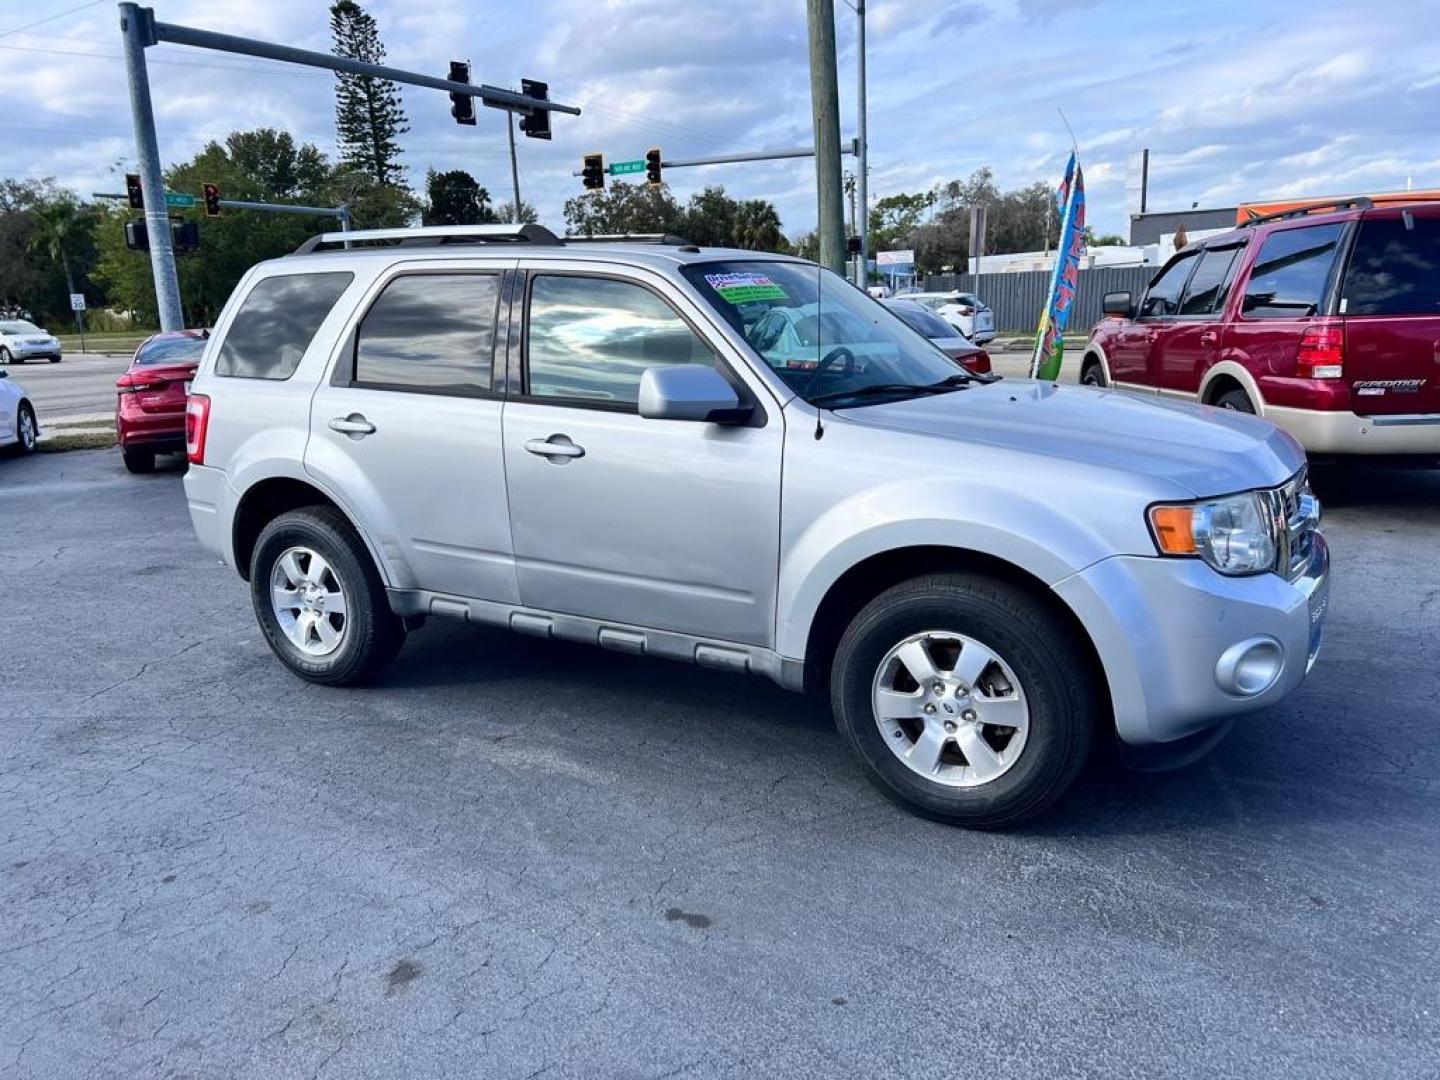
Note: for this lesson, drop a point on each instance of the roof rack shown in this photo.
(431, 236)
(669, 239)
(1360, 202)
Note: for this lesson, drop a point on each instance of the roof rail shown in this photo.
(1360, 202)
(669, 239)
(431, 236)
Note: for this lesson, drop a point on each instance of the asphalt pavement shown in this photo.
(516, 858)
(82, 385)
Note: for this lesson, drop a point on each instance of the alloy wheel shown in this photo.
(27, 429)
(309, 601)
(950, 708)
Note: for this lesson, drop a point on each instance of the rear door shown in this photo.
(1191, 340)
(1130, 352)
(9, 403)
(1391, 303)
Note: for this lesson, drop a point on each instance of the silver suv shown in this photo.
(598, 442)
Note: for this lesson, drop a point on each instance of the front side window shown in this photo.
(1207, 290)
(433, 333)
(276, 323)
(1163, 296)
(1290, 273)
(1395, 267)
(590, 339)
(840, 348)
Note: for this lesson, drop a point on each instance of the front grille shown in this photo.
(1296, 515)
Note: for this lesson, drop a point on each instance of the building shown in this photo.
(1148, 228)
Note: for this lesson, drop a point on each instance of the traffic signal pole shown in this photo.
(136, 30)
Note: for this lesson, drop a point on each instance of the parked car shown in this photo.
(1325, 320)
(962, 310)
(21, 340)
(585, 441)
(949, 340)
(878, 292)
(19, 431)
(150, 397)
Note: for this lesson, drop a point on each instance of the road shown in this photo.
(81, 385)
(512, 858)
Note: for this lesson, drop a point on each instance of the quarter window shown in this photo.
(1163, 296)
(1208, 289)
(1290, 273)
(1395, 267)
(590, 339)
(276, 323)
(432, 333)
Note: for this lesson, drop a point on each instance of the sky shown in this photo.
(1235, 100)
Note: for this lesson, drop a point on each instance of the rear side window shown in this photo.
(1211, 283)
(1290, 273)
(276, 323)
(1163, 296)
(590, 339)
(1395, 268)
(433, 333)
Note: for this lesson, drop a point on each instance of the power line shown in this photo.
(49, 18)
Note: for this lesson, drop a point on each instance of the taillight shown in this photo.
(1322, 352)
(979, 362)
(130, 383)
(197, 423)
(967, 311)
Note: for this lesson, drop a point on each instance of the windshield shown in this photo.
(923, 320)
(185, 350)
(822, 336)
(19, 326)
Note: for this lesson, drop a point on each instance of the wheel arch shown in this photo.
(266, 500)
(1093, 351)
(1229, 375)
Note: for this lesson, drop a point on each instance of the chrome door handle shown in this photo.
(1209, 337)
(354, 424)
(556, 446)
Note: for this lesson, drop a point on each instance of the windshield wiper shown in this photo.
(878, 389)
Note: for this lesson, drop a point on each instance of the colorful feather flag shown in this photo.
(1049, 337)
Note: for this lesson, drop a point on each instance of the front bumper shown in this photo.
(1163, 627)
(35, 352)
(1340, 432)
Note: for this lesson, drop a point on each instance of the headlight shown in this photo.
(1234, 535)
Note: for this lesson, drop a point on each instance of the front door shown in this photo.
(1184, 350)
(407, 431)
(664, 524)
(1131, 356)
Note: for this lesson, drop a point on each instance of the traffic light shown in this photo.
(212, 200)
(462, 106)
(592, 173)
(652, 167)
(133, 191)
(184, 236)
(536, 123)
(136, 238)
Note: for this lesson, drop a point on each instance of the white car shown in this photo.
(964, 311)
(18, 428)
(21, 341)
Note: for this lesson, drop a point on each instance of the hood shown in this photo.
(1206, 450)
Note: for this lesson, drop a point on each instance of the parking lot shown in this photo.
(516, 858)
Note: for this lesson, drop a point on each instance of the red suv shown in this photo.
(1325, 320)
(150, 399)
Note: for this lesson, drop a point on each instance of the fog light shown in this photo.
(1250, 667)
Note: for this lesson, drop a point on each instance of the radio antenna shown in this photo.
(819, 345)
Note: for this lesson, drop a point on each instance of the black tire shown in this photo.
(54, 359)
(5, 357)
(1092, 374)
(1236, 400)
(372, 633)
(27, 432)
(1061, 691)
(138, 459)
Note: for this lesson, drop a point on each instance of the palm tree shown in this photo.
(55, 224)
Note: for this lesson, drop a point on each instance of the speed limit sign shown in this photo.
(77, 301)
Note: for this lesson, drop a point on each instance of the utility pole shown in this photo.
(137, 30)
(514, 169)
(825, 100)
(863, 149)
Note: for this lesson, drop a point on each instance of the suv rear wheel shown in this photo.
(964, 699)
(319, 599)
(1236, 400)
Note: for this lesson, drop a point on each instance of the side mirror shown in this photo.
(1118, 303)
(690, 392)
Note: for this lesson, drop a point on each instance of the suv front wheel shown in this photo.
(965, 699)
(319, 599)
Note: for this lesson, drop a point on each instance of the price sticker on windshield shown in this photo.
(745, 288)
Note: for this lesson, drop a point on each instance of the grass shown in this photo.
(124, 342)
(80, 440)
(79, 425)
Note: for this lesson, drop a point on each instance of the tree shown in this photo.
(33, 279)
(528, 214)
(368, 115)
(57, 226)
(624, 208)
(456, 198)
(895, 217)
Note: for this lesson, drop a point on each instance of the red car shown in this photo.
(150, 403)
(1324, 319)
